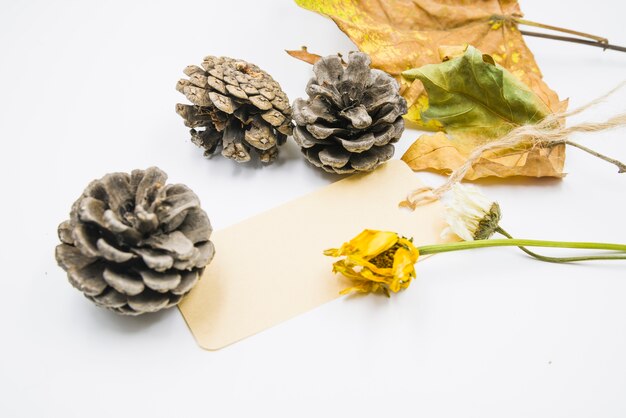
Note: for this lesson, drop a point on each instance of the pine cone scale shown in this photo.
(358, 145)
(196, 226)
(111, 253)
(110, 298)
(117, 189)
(330, 70)
(331, 95)
(249, 89)
(148, 302)
(216, 84)
(156, 260)
(88, 279)
(273, 117)
(304, 138)
(261, 102)
(221, 102)
(368, 161)
(195, 95)
(260, 136)
(335, 157)
(237, 92)
(84, 242)
(71, 257)
(123, 283)
(187, 282)
(160, 282)
(175, 243)
(358, 117)
(65, 232)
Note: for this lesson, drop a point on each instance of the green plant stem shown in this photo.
(562, 259)
(467, 245)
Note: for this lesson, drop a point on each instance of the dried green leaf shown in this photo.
(475, 101)
(471, 96)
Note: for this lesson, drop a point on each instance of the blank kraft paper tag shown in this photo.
(270, 267)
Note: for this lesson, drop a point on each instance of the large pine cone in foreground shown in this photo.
(134, 244)
(238, 108)
(352, 115)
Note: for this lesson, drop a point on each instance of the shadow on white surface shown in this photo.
(112, 322)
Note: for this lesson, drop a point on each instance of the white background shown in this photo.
(87, 88)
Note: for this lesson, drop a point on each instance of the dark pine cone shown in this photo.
(134, 244)
(352, 115)
(239, 106)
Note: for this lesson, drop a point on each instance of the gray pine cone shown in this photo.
(134, 244)
(239, 106)
(352, 115)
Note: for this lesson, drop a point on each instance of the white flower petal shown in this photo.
(467, 208)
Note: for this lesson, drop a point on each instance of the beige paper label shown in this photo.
(270, 268)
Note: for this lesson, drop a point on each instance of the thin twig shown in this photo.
(546, 133)
(620, 166)
(574, 40)
(595, 40)
(558, 29)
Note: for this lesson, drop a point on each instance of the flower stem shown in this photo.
(620, 166)
(563, 259)
(467, 245)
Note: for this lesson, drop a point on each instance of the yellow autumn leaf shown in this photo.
(404, 34)
(438, 153)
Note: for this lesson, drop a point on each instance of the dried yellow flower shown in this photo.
(376, 261)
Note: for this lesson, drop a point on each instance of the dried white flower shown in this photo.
(470, 214)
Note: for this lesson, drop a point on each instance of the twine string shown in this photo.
(546, 133)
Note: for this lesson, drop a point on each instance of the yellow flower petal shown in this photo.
(358, 261)
(392, 271)
(363, 275)
(408, 244)
(368, 243)
(403, 269)
(333, 252)
(371, 243)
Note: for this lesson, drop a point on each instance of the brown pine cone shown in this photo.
(238, 108)
(134, 244)
(352, 115)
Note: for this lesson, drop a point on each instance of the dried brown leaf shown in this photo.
(304, 55)
(438, 153)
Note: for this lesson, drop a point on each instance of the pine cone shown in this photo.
(239, 106)
(134, 244)
(352, 115)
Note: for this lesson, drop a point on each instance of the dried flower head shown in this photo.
(471, 215)
(376, 261)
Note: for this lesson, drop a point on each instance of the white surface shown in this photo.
(88, 88)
